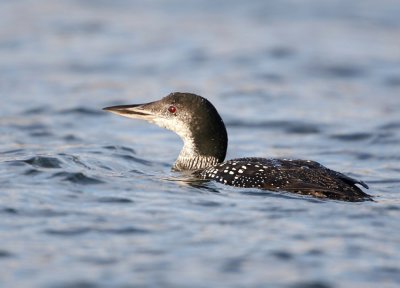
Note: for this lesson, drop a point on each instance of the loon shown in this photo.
(205, 142)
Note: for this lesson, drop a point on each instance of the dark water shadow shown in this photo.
(76, 284)
(40, 212)
(135, 159)
(393, 125)
(257, 94)
(76, 231)
(5, 254)
(36, 132)
(75, 160)
(9, 211)
(37, 110)
(13, 151)
(292, 127)
(114, 200)
(44, 162)
(77, 178)
(392, 81)
(344, 70)
(385, 181)
(119, 148)
(99, 260)
(83, 111)
(360, 136)
(281, 52)
(311, 284)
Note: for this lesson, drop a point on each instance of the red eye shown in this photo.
(172, 109)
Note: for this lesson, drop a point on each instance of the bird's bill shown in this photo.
(136, 111)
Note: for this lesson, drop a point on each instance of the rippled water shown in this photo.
(87, 199)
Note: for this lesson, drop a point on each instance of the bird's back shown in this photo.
(297, 176)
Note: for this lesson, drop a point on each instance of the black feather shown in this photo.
(296, 176)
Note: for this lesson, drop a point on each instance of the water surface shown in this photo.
(87, 199)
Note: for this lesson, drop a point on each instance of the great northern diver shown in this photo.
(205, 140)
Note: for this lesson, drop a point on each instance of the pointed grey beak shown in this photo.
(137, 111)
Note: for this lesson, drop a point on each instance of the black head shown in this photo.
(191, 116)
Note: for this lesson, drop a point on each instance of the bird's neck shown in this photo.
(190, 159)
(200, 153)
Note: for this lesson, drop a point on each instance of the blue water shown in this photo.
(87, 199)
